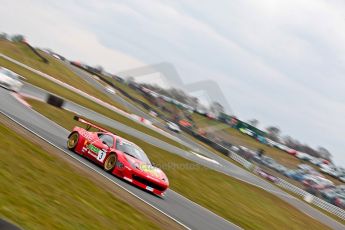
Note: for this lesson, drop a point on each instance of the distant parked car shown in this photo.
(305, 167)
(10, 80)
(282, 147)
(262, 139)
(292, 152)
(314, 184)
(327, 169)
(340, 188)
(328, 194)
(331, 194)
(268, 161)
(304, 156)
(271, 142)
(289, 172)
(297, 175)
(334, 173)
(317, 161)
(110, 89)
(173, 127)
(280, 168)
(248, 132)
(267, 176)
(340, 201)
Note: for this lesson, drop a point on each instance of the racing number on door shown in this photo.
(101, 155)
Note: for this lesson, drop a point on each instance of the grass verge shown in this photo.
(238, 202)
(39, 191)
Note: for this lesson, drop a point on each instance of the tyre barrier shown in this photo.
(55, 101)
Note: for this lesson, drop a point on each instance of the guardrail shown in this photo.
(279, 182)
(241, 160)
(292, 188)
(328, 207)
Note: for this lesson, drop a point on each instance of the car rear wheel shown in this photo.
(110, 162)
(73, 141)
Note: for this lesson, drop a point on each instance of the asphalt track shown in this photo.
(58, 138)
(184, 211)
(224, 166)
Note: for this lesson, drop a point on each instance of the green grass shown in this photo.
(68, 94)
(238, 202)
(55, 68)
(39, 191)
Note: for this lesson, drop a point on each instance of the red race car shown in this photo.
(118, 156)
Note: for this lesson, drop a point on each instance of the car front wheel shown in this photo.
(110, 162)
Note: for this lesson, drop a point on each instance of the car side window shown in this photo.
(117, 144)
(106, 139)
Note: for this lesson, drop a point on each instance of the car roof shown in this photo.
(120, 138)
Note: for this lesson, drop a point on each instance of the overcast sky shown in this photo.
(281, 62)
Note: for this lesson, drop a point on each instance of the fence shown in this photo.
(240, 160)
(294, 189)
(279, 182)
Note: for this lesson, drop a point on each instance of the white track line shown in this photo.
(30, 97)
(20, 99)
(205, 158)
(106, 176)
(283, 193)
(99, 172)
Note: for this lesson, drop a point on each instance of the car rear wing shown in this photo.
(89, 124)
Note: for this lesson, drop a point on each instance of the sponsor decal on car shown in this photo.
(86, 135)
(101, 153)
(149, 169)
(93, 148)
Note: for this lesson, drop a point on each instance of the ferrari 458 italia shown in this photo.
(118, 156)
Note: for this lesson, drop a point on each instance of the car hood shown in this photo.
(148, 169)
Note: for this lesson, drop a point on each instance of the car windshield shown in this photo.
(132, 150)
(9, 73)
